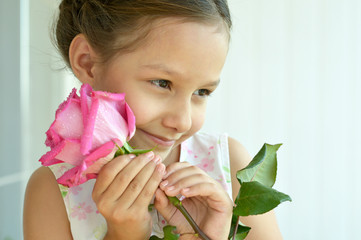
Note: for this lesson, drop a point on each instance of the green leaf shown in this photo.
(242, 231)
(255, 198)
(127, 147)
(120, 151)
(169, 233)
(263, 167)
(140, 151)
(150, 207)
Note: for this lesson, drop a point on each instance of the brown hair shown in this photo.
(112, 26)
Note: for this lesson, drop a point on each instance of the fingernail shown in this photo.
(164, 183)
(150, 155)
(166, 174)
(185, 190)
(157, 160)
(170, 188)
(160, 168)
(131, 156)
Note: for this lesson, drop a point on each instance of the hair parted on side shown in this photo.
(112, 26)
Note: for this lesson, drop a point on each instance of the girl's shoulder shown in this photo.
(43, 204)
(239, 158)
(42, 187)
(238, 154)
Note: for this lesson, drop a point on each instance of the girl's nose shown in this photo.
(178, 116)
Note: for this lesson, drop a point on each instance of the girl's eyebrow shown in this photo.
(168, 71)
(161, 67)
(214, 83)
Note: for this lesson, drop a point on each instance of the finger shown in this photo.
(209, 190)
(217, 199)
(174, 188)
(181, 173)
(108, 172)
(150, 188)
(163, 205)
(171, 168)
(160, 199)
(121, 181)
(139, 183)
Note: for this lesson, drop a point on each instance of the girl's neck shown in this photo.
(173, 156)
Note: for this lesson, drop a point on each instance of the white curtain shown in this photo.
(292, 77)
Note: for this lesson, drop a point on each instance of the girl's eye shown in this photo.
(202, 92)
(161, 83)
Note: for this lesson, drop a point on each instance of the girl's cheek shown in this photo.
(198, 121)
(144, 109)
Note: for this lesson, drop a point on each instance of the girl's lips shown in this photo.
(159, 140)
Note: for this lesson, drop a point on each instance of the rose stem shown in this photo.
(178, 204)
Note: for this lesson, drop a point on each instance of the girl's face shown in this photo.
(167, 82)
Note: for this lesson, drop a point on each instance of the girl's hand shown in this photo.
(122, 192)
(206, 201)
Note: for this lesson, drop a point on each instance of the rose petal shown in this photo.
(87, 137)
(109, 124)
(106, 119)
(85, 99)
(86, 133)
(90, 167)
(53, 136)
(71, 153)
(66, 151)
(48, 158)
(68, 122)
(71, 178)
(130, 121)
(96, 160)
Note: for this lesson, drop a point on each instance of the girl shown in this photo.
(167, 56)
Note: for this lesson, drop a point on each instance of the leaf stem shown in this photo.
(178, 204)
(236, 229)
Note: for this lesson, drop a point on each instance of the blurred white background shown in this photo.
(292, 77)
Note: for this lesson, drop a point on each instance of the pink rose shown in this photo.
(87, 132)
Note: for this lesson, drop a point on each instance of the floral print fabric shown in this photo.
(208, 152)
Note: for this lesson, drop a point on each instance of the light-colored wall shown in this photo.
(10, 155)
(292, 76)
(32, 86)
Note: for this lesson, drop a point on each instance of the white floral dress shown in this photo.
(208, 152)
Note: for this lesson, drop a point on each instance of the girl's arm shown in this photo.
(44, 210)
(263, 226)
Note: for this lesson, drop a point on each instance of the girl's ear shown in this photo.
(82, 59)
